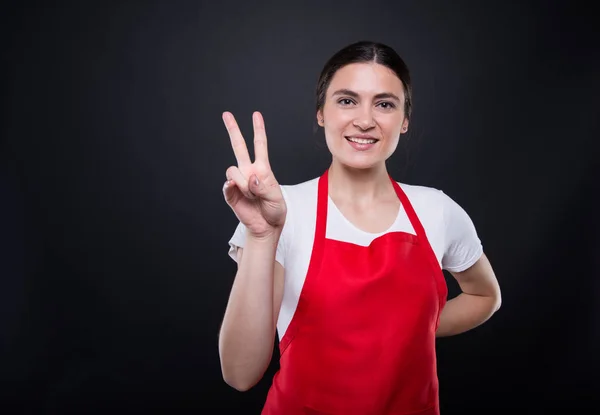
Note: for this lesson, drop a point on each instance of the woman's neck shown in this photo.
(359, 186)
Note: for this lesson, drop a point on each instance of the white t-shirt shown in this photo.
(448, 227)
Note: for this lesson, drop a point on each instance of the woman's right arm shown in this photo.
(250, 324)
(247, 335)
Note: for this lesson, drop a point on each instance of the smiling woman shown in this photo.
(347, 267)
(364, 107)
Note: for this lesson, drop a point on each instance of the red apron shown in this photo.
(362, 339)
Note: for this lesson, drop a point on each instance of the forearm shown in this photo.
(247, 334)
(465, 312)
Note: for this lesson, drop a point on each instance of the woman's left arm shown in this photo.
(479, 300)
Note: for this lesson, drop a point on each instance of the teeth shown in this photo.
(361, 140)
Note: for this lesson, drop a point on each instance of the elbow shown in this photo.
(242, 368)
(239, 376)
(239, 383)
(498, 298)
(496, 302)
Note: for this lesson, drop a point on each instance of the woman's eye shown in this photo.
(387, 105)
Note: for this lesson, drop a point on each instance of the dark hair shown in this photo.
(365, 51)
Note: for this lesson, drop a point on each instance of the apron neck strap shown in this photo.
(322, 199)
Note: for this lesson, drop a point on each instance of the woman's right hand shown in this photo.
(251, 189)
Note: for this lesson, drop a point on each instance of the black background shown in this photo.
(114, 266)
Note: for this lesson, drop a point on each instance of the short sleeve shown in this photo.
(238, 238)
(462, 246)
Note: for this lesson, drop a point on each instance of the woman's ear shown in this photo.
(404, 126)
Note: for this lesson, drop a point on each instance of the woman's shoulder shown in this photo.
(301, 200)
(432, 200)
(301, 191)
(420, 194)
(302, 186)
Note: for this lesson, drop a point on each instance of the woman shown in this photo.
(347, 267)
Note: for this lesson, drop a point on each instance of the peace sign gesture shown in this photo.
(251, 189)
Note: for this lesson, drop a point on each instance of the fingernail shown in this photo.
(256, 180)
(256, 119)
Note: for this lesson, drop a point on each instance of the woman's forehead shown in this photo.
(366, 78)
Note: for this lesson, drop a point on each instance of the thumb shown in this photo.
(256, 186)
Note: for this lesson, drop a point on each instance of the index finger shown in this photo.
(260, 138)
(237, 140)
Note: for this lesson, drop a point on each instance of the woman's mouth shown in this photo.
(361, 144)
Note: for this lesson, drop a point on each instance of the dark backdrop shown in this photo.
(114, 266)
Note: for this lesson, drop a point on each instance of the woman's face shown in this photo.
(363, 114)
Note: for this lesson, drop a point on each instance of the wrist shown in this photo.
(270, 237)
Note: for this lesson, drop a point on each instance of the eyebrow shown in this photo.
(355, 95)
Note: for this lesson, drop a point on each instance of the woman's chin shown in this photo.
(363, 162)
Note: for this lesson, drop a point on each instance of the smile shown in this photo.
(362, 140)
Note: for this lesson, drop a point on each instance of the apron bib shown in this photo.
(362, 339)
